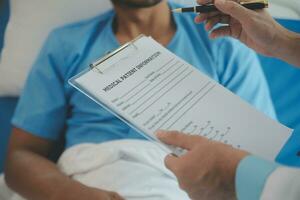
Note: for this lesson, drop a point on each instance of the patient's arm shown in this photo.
(31, 174)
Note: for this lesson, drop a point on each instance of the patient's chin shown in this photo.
(137, 3)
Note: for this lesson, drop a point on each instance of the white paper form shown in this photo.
(150, 88)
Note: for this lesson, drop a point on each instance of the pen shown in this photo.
(252, 5)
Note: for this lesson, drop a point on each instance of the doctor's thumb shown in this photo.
(234, 9)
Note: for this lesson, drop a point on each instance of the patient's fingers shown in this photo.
(115, 196)
(95, 193)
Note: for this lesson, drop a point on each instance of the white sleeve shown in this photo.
(282, 184)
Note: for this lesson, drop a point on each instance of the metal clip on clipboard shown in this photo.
(95, 65)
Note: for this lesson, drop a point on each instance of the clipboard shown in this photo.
(95, 67)
(183, 91)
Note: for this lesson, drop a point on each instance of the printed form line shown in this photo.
(135, 94)
(140, 83)
(192, 106)
(207, 84)
(155, 86)
(167, 91)
(132, 89)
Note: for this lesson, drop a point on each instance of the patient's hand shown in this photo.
(79, 191)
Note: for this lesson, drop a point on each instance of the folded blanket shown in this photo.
(132, 168)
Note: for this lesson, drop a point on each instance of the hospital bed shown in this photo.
(283, 80)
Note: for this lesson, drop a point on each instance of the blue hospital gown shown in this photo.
(49, 106)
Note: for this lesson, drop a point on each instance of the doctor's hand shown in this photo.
(257, 29)
(207, 170)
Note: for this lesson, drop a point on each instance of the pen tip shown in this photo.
(177, 10)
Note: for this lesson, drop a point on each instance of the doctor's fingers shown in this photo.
(172, 162)
(222, 19)
(204, 16)
(179, 139)
(182, 166)
(202, 2)
(235, 10)
(222, 32)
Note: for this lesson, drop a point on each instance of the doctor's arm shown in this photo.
(257, 29)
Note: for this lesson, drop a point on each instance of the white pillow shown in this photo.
(29, 25)
(285, 9)
(32, 20)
